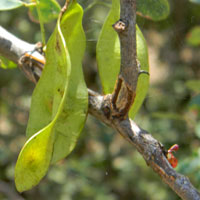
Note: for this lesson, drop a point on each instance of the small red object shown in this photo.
(172, 160)
(175, 147)
(170, 157)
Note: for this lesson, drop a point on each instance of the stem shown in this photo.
(41, 23)
(29, 4)
(126, 29)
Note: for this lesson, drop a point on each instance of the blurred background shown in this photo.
(103, 166)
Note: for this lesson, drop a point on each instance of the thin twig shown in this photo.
(12, 47)
(41, 22)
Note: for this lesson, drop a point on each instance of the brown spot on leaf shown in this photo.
(50, 105)
(61, 92)
(58, 44)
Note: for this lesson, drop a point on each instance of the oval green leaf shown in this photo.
(47, 97)
(193, 37)
(153, 9)
(35, 157)
(108, 50)
(71, 122)
(108, 58)
(49, 10)
(10, 4)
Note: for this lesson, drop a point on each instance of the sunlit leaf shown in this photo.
(35, 157)
(153, 9)
(7, 64)
(193, 37)
(49, 10)
(51, 86)
(108, 58)
(10, 4)
(47, 97)
(193, 85)
(72, 120)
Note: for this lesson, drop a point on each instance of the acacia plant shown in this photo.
(61, 100)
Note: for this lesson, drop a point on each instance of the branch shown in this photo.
(21, 52)
(125, 89)
(11, 46)
(151, 149)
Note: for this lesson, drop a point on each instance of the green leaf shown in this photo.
(153, 9)
(7, 64)
(143, 79)
(193, 85)
(49, 10)
(70, 124)
(193, 37)
(47, 96)
(35, 157)
(108, 50)
(10, 4)
(108, 58)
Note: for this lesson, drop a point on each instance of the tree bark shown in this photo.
(125, 89)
